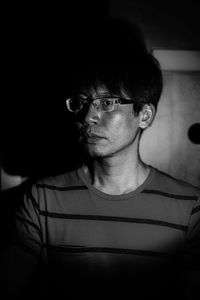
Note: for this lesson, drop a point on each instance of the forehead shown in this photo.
(102, 89)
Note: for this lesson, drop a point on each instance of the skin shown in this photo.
(116, 164)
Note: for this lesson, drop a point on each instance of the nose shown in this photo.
(92, 116)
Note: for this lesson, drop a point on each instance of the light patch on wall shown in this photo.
(178, 60)
(166, 144)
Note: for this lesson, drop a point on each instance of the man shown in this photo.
(115, 226)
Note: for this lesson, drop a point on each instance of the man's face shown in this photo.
(104, 134)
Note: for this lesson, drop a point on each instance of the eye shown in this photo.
(107, 102)
(77, 104)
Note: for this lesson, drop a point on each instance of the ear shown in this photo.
(146, 116)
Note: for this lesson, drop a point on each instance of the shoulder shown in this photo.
(48, 189)
(60, 182)
(166, 183)
(179, 197)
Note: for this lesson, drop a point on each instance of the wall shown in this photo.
(166, 144)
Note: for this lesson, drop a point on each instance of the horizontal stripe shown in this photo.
(174, 196)
(60, 188)
(195, 210)
(80, 249)
(113, 219)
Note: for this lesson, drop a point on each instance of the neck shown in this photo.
(118, 174)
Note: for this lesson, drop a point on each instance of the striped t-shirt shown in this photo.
(84, 235)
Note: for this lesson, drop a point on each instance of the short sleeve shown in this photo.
(22, 255)
(27, 233)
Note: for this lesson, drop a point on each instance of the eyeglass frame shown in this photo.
(89, 100)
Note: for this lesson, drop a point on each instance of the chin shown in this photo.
(93, 152)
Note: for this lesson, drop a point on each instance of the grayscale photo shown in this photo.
(100, 151)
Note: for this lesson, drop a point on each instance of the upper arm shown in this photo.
(23, 252)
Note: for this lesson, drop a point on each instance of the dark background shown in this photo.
(42, 45)
(168, 24)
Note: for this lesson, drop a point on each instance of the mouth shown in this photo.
(91, 138)
(93, 135)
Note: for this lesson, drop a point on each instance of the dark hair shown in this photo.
(118, 59)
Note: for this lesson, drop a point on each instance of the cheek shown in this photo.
(112, 123)
(119, 125)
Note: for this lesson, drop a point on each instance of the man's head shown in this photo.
(116, 57)
(122, 69)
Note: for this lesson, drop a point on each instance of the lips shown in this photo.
(90, 137)
(93, 140)
(93, 135)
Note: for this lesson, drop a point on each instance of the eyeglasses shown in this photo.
(103, 104)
